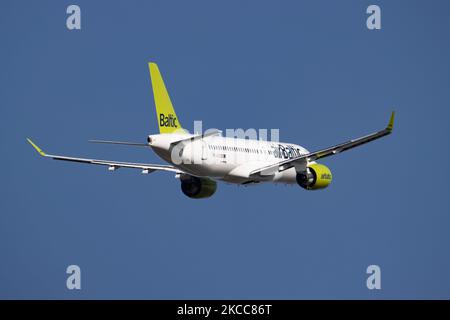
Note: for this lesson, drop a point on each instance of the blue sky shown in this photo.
(310, 68)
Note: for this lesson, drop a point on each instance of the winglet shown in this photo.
(391, 122)
(42, 153)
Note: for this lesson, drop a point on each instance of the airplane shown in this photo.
(200, 160)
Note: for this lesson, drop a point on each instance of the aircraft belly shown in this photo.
(287, 176)
(207, 170)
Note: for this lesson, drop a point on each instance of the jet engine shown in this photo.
(197, 188)
(316, 176)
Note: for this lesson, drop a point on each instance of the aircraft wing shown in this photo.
(112, 165)
(312, 156)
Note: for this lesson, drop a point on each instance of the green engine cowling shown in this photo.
(198, 188)
(316, 176)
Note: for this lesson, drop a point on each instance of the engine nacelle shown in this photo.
(197, 188)
(316, 176)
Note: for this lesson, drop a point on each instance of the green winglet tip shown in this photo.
(42, 153)
(391, 121)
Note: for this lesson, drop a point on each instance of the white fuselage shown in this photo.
(226, 159)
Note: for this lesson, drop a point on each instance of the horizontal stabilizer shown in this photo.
(126, 143)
